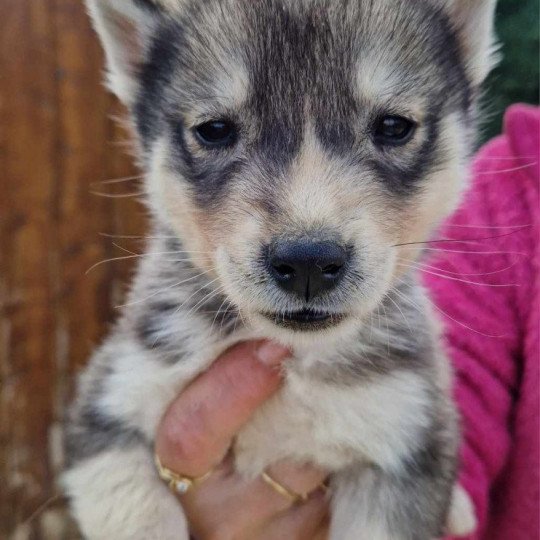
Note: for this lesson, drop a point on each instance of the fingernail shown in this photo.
(271, 354)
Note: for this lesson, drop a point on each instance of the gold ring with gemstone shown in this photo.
(179, 483)
(290, 495)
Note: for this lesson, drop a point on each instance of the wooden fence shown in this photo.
(59, 146)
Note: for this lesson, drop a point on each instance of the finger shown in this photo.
(245, 504)
(197, 428)
(308, 521)
(296, 479)
(256, 501)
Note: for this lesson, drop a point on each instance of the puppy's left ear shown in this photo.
(474, 21)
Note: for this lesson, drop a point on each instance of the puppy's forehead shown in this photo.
(314, 48)
(281, 64)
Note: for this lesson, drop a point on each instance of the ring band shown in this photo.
(284, 491)
(179, 483)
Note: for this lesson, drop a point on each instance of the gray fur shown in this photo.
(304, 81)
(91, 432)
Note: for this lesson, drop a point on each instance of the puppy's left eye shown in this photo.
(393, 130)
(216, 133)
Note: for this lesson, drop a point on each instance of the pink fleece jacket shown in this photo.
(493, 326)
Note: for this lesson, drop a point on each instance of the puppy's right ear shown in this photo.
(125, 28)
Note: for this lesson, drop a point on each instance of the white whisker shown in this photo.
(177, 310)
(387, 330)
(118, 195)
(379, 317)
(242, 317)
(418, 248)
(513, 169)
(135, 256)
(230, 305)
(510, 158)
(205, 299)
(193, 294)
(446, 315)
(113, 259)
(487, 226)
(401, 311)
(163, 290)
(120, 180)
(155, 252)
(217, 314)
(135, 237)
(236, 322)
(437, 269)
(371, 326)
(458, 279)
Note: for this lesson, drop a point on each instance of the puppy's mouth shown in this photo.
(305, 319)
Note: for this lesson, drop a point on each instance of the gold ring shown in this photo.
(179, 483)
(283, 491)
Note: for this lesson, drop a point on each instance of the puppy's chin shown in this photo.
(295, 332)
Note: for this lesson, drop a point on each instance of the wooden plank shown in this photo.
(57, 146)
(28, 169)
(84, 298)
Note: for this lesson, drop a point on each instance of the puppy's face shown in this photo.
(293, 145)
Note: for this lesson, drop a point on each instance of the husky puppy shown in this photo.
(291, 149)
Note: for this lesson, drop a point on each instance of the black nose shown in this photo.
(307, 268)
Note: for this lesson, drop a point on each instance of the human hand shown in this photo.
(195, 436)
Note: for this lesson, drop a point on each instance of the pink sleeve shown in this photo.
(473, 284)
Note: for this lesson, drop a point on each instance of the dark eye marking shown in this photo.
(393, 130)
(216, 133)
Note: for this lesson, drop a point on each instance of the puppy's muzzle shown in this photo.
(306, 268)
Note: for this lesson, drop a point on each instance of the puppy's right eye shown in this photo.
(216, 133)
(393, 130)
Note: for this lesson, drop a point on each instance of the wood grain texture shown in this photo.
(59, 146)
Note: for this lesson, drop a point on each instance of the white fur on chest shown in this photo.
(376, 421)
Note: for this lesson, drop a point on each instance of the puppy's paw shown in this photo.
(461, 519)
(117, 495)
